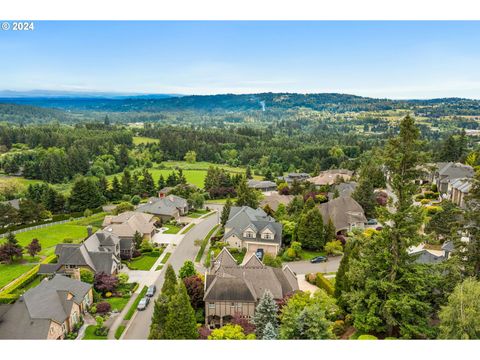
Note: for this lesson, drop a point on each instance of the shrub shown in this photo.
(108, 294)
(338, 327)
(431, 210)
(136, 253)
(273, 261)
(103, 307)
(419, 197)
(122, 278)
(68, 240)
(93, 309)
(319, 280)
(367, 337)
(434, 188)
(135, 200)
(86, 276)
(124, 256)
(424, 201)
(101, 331)
(334, 247)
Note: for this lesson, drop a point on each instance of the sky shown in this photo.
(399, 60)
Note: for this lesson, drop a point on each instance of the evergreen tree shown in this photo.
(310, 231)
(115, 192)
(148, 185)
(246, 196)
(268, 176)
(330, 231)
(226, 211)
(265, 312)
(161, 182)
(270, 332)
(385, 278)
(180, 322)
(170, 282)
(181, 179)
(248, 173)
(85, 194)
(137, 238)
(126, 183)
(122, 157)
(365, 196)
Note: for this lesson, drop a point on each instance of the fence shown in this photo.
(45, 225)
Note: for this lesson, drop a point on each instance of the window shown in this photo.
(249, 234)
(232, 305)
(267, 236)
(211, 305)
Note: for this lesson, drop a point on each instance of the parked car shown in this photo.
(318, 259)
(151, 290)
(142, 305)
(259, 253)
(372, 222)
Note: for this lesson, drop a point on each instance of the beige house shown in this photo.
(232, 289)
(253, 229)
(47, 311)
(345, 213)
(126, 224)
(330, 177)
(459, 190)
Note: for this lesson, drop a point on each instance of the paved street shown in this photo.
(140, 325)
(305, 267)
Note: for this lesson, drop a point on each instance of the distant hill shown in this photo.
(250, 102)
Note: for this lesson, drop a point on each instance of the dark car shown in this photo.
(259, 253)
(142, 305)
(318, 259)
(151, 290)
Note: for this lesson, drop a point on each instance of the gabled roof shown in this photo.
(129, 222)
(274, 199)
(52, 300)
(225, 259)
(450, 171)
(343, 211)
(329, 177)
(167, 206)
(261, 184)
(240, 218)
(247, 282)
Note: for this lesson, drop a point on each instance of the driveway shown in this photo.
(139, 327)
(305, 267)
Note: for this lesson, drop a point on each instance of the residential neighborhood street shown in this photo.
(139, 326)
(305, 267)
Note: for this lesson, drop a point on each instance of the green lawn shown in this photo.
(204, 243)
(308, 254)
(90, 334)
(95, 220)
(159, 267)
(166, 257)
(117, 303)
(146, 261)
(197, 213)
(119, 331)
(137, 140)
(8, 272)
(133, 308)
(187, 229)
(50, 236)
(172, 229)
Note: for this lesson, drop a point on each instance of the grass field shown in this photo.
(197, 213)
(117, 303)
(95, 220)
(8, 273)
(90, 334)
(119, 331)
(146, 261)
(166, 257)
(172, 229)
(308, 254)
(50, 236)
(137, 140)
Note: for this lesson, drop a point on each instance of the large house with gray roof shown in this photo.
(166, 208)
(446, 173)
(98, 253)
(232, 289)
(346, 214)
(47, 311)
(262, 185)
(253, 229)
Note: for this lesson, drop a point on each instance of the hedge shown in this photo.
(26, 278)
(8, 298)
(321, 281)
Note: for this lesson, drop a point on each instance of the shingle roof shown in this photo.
(261, 184)
(30, 316)
(343, 211)
(274, 199)
(329, 177)
(240, 218)
(451, 171)
(248, 282)
(127, 223)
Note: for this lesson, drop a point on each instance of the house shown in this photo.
(47, 311)
(126, 224)
(291, 177)
(426, 254)
(447, 173)
(330, 177)
(166, 208)
(101, 252)
(236, 289)
(459, 189)
(263, 185)
(274, 199)
(345, 213)
(344, 189)
(253, 229)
